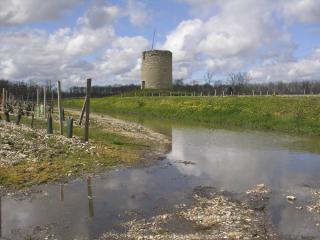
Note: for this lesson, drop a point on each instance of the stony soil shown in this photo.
(212, 215)
(23, 144)
(314, 205)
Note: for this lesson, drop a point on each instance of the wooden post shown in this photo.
(87, 122)
(69, 127)
(32, 119)
(32, 115)
(51, 102)
(82, 111)
(18, 117)
(49, 125)
(37, 106)
(3, 100)
(44, 102)
(37, 97)
(60, 108)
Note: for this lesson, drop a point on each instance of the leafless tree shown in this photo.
(208, 77)
(239, 81)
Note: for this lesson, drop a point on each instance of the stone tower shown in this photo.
(156, 69)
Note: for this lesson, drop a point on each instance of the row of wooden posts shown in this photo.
(208, 94)
(48, 115)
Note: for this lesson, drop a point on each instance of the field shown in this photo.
(289, 114)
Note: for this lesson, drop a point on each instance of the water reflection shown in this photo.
(236, 161)
(90, 199)
(0, 217)
(61, 193)
(231, 160)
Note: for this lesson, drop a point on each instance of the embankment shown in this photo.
(290, 114)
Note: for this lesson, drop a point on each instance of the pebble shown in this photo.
(291, 198)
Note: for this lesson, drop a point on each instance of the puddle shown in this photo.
(232, 160)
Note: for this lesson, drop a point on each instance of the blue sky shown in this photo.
(273, 40)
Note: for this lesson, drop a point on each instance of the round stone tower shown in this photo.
(156, 69)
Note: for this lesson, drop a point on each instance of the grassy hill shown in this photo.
(298, 115)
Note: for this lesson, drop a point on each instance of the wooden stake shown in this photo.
(44, 102)
(38, 107)
(60, 108)
(82, 111)
(32, 115)
(51, 102)
(3, 100)
(87, 122)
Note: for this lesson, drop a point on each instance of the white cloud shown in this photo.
(137, 13)
(14, 12)
(307, 68)
(100, 15)
(61, 55)
(306, 11)
(231, 39)
(87, 41)
(123, 59)
(64, 54)
(234, 35)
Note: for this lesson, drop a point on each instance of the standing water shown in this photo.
(231, 160)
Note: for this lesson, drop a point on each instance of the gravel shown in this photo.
(212, 215)
(21, 143)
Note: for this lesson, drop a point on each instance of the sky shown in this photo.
(272, 40)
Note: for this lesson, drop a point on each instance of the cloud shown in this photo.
(305, 11)
(219, 36)
(15, 12)
(137, 13)
(230, 40)
(38, 55)
(100, 15)
(123, 59)
(307, 68)
(203, 8)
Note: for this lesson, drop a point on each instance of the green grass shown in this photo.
(297, 115)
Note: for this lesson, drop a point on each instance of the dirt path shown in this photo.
(125, 128)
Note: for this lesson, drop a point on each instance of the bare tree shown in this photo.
(239, 81)
(208, 77)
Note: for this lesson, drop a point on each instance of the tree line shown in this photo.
(236, 84)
